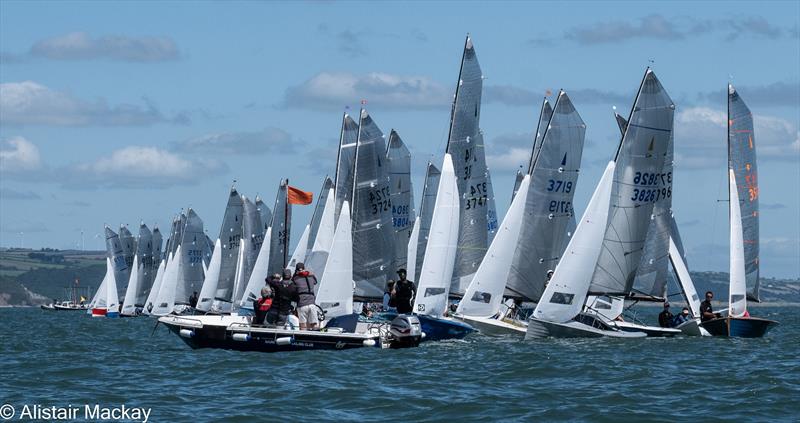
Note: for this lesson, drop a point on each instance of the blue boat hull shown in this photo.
(739, 327)
(439, 329)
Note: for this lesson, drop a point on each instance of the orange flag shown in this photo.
(298, 196)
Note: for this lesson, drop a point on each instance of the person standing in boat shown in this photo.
(706, 311)
(193, 300)
(388, 302)
(284, 293)
(665, 318)
(262, 305)
(305, 282)
(403, 293)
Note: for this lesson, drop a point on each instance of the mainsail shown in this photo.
(116, 254)
(230, 235)
(319, 211)
(190, 278)
(345, 163)
(548, 206)
(465, 146)
(639, 182)
(146, 270)
(373, 236)
(401, 195)
(265, 213)
(281, 227)
(742, 161)
(541, 127)
(251, 231)
(432, 176)
(492, 222)
(128, 243)
(517, 181)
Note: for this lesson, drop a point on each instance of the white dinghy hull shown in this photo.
(494, 327)
(572, 329)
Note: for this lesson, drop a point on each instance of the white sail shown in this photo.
(211, 278)
(485, 293)
(301, 251)
(565, 294)
(150, 303)
(129, 303)
(99, 295)
(737, 296)
(165, 301)
(318, 256)
(240, 275)
(413, 241)
(335, 292)
(684, 279)
(258, 276)
(112, 297)
(440, 254)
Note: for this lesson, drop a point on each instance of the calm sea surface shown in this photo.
(63, 358)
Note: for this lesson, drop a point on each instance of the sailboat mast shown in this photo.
(630, 115)
(286, 226)
(536, 134)
(339, 151)
(455, 98)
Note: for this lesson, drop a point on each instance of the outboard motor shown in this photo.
(405, 332)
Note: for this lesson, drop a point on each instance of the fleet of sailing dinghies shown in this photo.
(744, 240)
(472, 271)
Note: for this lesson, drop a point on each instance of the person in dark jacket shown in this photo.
(262, 305)
(403, 293)
(665, 318)
(305, 282)
(284, 292)
(193, 300)
(706, 311)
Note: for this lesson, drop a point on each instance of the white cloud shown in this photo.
(19, 155)
(81, 46)
(140, 167)
(267, 140)
(334, 90)
(508, 152)
(30, 103)
(701, 134)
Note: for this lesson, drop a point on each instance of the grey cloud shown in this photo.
(12, 194)
(656, 26)
(335, 90)
(772, 206)
(30, 103)
(350, 42)
(517, 96)
(82, 46)
(268, 140)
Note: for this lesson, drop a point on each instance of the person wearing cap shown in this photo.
(403, 293)
(284, 292)
(262, 305)
(665, 318)
(305, 282)
(683, 317)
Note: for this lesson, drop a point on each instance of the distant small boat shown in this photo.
(106, 302)
(744, 240)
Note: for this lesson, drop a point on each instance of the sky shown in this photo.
(121, 112)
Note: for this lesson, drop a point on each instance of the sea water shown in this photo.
(68, 359)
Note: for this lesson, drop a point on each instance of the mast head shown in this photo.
(731, 90)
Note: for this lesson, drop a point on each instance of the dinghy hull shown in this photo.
(441, 328)
(692, 328)
(739, 327)
(544, 329)
(494, 327)
(651, 331)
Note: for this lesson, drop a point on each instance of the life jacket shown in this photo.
(264, 304)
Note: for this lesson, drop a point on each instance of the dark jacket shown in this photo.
(680, 319)
(705, 307)
(665, 319)
(404, 292)
(284, 291)
(305, 282)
